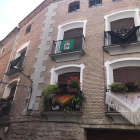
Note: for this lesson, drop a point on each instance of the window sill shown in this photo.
(74, 11)
(69, 56)
(123, 49)
(95, 6)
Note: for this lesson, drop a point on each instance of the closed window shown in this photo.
(93, 3)
(28, 29)
(74, 6)
(115, 0)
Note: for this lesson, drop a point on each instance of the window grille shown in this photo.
(74, 6)
(93, 3)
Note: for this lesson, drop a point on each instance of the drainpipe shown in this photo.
(1, 87)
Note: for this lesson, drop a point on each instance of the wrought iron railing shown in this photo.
(122, 36)
(53, 105)
(78, 44)
(5, 106)
(17, 62)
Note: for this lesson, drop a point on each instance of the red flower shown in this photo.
(76, 78)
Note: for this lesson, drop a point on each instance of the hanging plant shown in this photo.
(47, 92)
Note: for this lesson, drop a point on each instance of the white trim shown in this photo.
(66, 68)
(23, 47)
(8, 89)
(71, 25)
(2, 50)
(123, 62)
(120, 15)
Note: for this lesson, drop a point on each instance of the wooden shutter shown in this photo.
(75, 33)
(126, 74)
(122, 23)
(63, 78)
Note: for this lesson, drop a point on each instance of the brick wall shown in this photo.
(93, 75)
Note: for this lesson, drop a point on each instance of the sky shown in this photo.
(14, 11)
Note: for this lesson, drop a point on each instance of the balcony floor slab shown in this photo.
(58, 116)
(123, 49)
(69, 56)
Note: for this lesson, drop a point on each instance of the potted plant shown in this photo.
(137, 85)
(46, 94)
(74, 103)
(73, 84)
(118, 87)
(130, 86)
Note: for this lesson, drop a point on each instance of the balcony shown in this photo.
(123, 103)
(18, 63)
(59, 107)
(122, 41)
(5, 108)
(67, 50)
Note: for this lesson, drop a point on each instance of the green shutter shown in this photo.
(67, 44)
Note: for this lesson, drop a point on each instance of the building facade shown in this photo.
(96, 41)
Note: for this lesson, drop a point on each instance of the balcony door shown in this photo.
(12, 92)
(74, 33)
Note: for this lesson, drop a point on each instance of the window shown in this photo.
(28, 29)
(2, 50)
(74, 6)
(115, 0)
(93, 3)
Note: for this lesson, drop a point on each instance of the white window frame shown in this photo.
(71, 25)
(133, 13)
(9, 87)
(124, 62)
(65, 69)
(21, 49)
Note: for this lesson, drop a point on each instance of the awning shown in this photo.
(63, 98)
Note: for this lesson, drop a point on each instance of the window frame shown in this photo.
(76, 5)
(96, 4)
(28, 29)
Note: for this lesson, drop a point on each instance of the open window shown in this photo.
(74, 6)
(8, 97)
(18, 62)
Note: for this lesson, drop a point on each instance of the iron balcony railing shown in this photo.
(5, 106)
(122, 36)
(56, 106)
(68, 45)
(17, 62)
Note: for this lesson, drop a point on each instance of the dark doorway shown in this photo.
(93, 134)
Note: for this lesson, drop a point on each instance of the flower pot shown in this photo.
(72, 90)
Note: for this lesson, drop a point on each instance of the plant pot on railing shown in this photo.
(73, 90)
